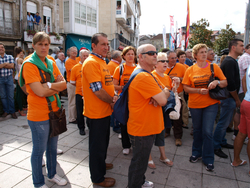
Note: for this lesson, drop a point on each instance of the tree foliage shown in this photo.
(200, 34)
(223, 39)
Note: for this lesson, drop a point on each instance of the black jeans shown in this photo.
(142, 146)
(99, 131)
(125, 138)
(79, 110)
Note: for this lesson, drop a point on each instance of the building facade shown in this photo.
(51, 16)
(80, 20)
(10, 25)
(120, 20)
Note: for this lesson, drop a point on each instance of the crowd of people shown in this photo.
(94, 82)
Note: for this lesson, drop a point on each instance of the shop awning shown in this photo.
(79, 41)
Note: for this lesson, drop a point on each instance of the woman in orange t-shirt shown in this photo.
(119, 80)
(202, 107)
(160, 68)
(38, 118)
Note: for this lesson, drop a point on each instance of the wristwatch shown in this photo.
(218, 82)
(49, 85)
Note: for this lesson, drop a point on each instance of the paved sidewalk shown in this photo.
(16, 146)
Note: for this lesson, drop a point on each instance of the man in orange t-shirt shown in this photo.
(69, 64)
(177, 70)
(98, 90)
(145, 120)
(76, 80)
(116, 60)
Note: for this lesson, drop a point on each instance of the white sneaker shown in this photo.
(59, 151)
(233, 137)
(58, 180)
(44, 186)
(120, 135)
(147, 184)
(43, 163)
(246, 140)
(125, 151)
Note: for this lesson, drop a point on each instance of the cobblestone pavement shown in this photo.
(16, 146)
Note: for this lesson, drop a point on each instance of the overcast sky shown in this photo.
(155, 14)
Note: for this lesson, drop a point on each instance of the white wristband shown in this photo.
(49, 85)
(218, 82)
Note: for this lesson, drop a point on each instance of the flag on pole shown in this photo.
(187, 26)
(164, 37)
(172, 37)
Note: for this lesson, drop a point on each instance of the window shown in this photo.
(66, 11)
(47, 19)
(5, 18)
(85, 15)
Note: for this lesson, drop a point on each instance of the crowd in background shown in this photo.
(95, 79)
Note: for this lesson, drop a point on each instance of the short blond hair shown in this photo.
(196, 49)
(161, 54)
(39, 37)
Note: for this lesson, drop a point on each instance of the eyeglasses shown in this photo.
(163, 61)
(150, 53)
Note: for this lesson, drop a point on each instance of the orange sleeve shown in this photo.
(92, 72)
(56, 71)
(146, 85)
(186, 77)
(31, 73)
(116, 74)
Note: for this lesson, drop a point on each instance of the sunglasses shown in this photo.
(163, 61)
(150, 53)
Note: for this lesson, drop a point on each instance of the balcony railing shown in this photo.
(10, 27)
(122, 39)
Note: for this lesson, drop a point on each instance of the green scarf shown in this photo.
(34, 59)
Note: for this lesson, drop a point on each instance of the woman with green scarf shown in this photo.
(38, 111)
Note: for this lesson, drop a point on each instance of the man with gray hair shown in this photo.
(116, 60)
(145, 97)
(189, 59)
(76, 80)
(210, 55)
(55, 52)
(69, 64)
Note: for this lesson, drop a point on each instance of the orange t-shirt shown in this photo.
(37, 106)
(144, 119)
(197, 77)
(111, 66)
(185, 65)
(95, 69)
(69, 64)
(76, 78)
(166, 80)
(78, 59)
(177, 71)
(127, 71)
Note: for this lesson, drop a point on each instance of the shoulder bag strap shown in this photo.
(121, 69)
(171, 70)
(48, 101)
(212, 68)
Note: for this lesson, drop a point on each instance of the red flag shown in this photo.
(187, 26)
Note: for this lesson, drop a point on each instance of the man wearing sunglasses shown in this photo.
(145, 115)
(176, 70)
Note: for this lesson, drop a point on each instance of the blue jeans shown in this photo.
(41, 142)
(226, 114)
(142, 146)
(203, 123)
(7, 93)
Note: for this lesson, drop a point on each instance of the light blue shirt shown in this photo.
(61, 66)
(247, 95)
(30, 20)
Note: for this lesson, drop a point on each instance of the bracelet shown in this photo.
(49, 85)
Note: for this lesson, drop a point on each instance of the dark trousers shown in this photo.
(99, 131)
(177, 124)
(125, 138)
(79, 110)
(19, 96)
(142, 146)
